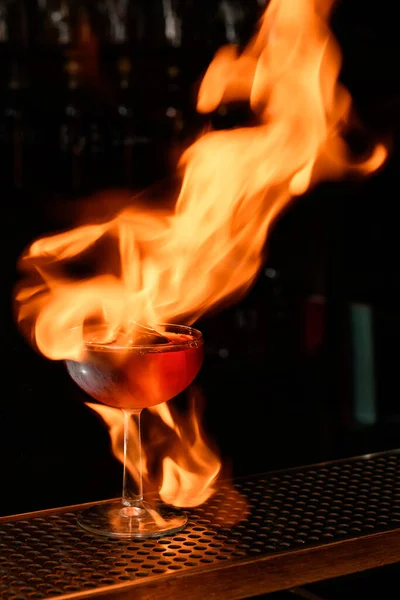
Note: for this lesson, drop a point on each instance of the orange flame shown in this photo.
(177, 265)
(189, 468)
(174, 265)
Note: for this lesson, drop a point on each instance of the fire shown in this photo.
(189, 468)
(174, 265)
(190, 471)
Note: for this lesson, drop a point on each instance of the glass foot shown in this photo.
(113, 519)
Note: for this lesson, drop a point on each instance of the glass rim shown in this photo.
(186, 329)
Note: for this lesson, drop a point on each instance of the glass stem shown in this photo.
(132, 486)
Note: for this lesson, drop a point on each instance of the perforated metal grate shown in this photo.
(49, 555)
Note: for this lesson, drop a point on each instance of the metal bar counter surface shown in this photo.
(262, 534)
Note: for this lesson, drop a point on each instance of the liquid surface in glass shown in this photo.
(139, 377)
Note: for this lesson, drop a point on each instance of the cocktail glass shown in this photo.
(131, 377)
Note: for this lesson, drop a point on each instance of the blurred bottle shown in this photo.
(122, 127)
(96, 143)
(230, 18)
(53, 32)
(55, 22)
(13, 24)
(3, 22)
(12, 129)
(70, 143)
(114, 20)
(22, 139)
(13, 42)
(236, 20)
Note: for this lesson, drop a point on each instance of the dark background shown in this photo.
(305, 368)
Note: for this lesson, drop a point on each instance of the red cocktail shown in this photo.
(132, 374)
(142, 375)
